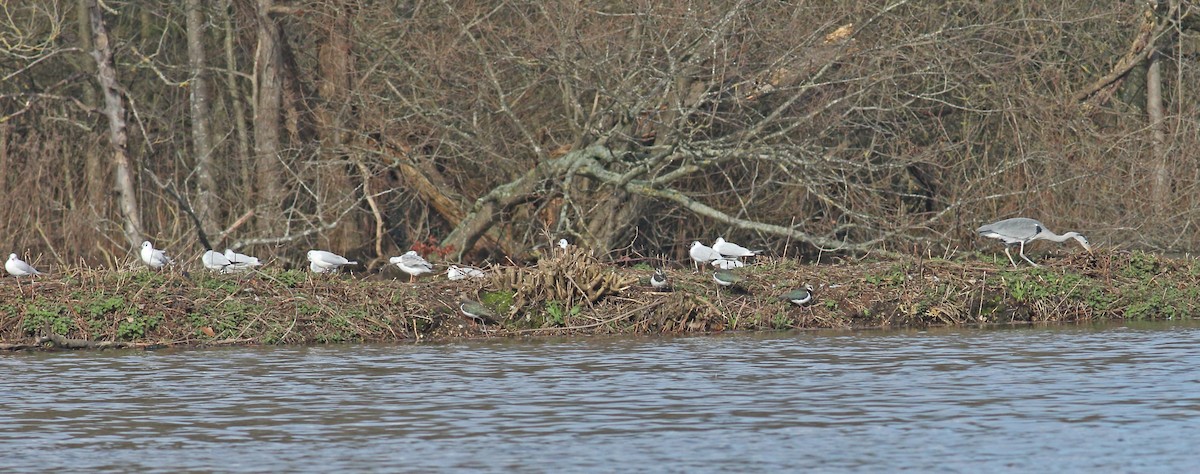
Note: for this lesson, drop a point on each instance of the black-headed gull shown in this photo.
(456, 272)
(728, 263)
(18, 268)
(412, 264)
(154, 258)
(239, 261)
(731, 250)
(321, 261)
(702, 253)
(215, 261)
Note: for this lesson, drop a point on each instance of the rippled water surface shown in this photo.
(1058, 399)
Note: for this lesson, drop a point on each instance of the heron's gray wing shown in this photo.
(1021, 228)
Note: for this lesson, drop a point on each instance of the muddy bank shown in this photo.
(573, 293)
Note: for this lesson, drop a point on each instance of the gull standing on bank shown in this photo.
(412, 264)
(326, 262)
(702, 254)
(152, 257)
(18, 268)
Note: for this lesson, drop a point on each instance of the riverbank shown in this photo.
(573, 293)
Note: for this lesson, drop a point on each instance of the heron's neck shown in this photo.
(1059, 238)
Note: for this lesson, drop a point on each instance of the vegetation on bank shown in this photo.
(573, 293)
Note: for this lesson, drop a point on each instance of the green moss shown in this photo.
(136, 327)
(41, 313)
(304, 308)
(896, 275)
(1141, 265)
(211, 282)
(499, 301)
(1159, 303)
(781, 321)
(149, 278)
(101, 304)
(291, 278)
(557, 314)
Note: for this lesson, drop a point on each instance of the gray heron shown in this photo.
(1022, 230)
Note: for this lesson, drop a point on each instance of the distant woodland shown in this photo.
(482, 130)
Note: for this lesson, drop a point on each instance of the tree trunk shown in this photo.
(114, 109)
(334, 60)
(269, 93)
(1160, 185)
(202, 149)
(242, 151)
(96, 184)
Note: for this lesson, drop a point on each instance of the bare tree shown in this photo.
(636, 127)
(269, 95)
(114, 110)
(205, 203)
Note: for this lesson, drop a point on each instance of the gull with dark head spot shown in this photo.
(18, 268)
(215, 261)
(456, 273)
(239, 262)
(152, 257)
(728, 263)
(321, 261)
(731, 250)
(412, 264)
(702, 254)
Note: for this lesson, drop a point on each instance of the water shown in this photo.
(1057, 399)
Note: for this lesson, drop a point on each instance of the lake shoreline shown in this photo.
(573, 293)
